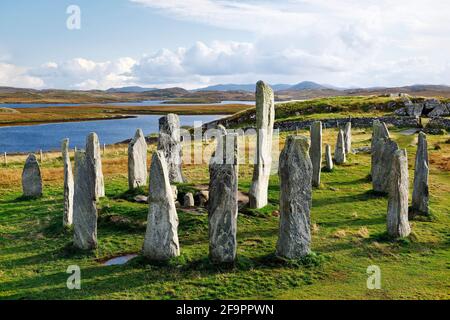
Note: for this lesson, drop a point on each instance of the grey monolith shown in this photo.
(339, 151)
(328, 158)
(137, 161)
(295, 171)
(397, 214)
(348, 137)
(265, 118)
(382, 157)
(93, 154)
(223, 202)
(68, 184)
(420, 196)
(169, 142)
(31, 177)
(315, 152)
(161, 237)
(84, 203)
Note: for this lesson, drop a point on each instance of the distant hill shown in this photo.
(305, 85)
(131, 89)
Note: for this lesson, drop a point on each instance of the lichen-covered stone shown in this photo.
(84, 203)
(420, 197)
(161, 237)
(295, 171)
(169, 142)
(397, 214)
(223, 202)
(348, 137)
(93, 154)
(315, 151)
(31, 177)
(68, 184)
(265, 118)
(339, 151)
(328, 158)
(137, 161)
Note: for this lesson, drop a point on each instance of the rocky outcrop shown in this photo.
(223, 203)
(169, 142)
(137, 161)
(295, 171)
(161, 237)
(68, 185)
(265, 118)
(31, 178)
(397, 214)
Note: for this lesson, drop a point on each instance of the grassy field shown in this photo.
(348, 226)
(28, 116)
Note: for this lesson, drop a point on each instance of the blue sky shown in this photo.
(194, 43)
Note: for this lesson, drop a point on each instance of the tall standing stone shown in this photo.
(339, 151)
(31, 177)
(137, 161)
(68, 184)
(161, 237)
(265, 118)
(295, 171)
(348, 137)
(328, 158)
(169, 143)
(420, 196)
(84, 203)
(382, 149)
(315, 152)
(93, 154)
(397, 214)
(223, 201)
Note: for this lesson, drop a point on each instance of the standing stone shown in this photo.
(188, 200)
(169, 143)
(137, 161)
(295, 173)
(397, 214)
(265, 118)
(223, 202)
(339, 151)
(84, 203)
(161, 237)
(68, 184)
(315, 152)
(420, 195)
(348, 137)
(382, 152)
(93, 154)
(328, 158)
(31, 177)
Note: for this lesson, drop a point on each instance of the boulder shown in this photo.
(188, 200)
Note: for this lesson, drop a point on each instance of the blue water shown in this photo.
(140, 103)
(48, 136)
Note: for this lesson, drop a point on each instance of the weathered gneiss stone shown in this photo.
(315, 152)
(339, 151)
(84, 203)
(328, 158)
(295, 173)
(201, 198)
(420, 197)
(348, 137)
(137, 161)
(188, 200)
(397, 214)
(383, 149)
(169, 143)
(31, 178)
(68, 184)
(161, 237)
(93, 154)
(223, 202)
(265, 118)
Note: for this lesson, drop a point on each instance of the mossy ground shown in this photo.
(348, 226)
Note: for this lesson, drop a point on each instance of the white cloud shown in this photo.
(14, 76)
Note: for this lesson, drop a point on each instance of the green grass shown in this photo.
(348, 223)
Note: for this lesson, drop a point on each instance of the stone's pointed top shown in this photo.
(138, 135)
(262, 86)
(31, 158)
(301, 142)
(65, 141)
(222, 129)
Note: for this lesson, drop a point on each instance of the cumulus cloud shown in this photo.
(15, 76)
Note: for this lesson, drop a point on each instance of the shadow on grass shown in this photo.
(360, 197)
